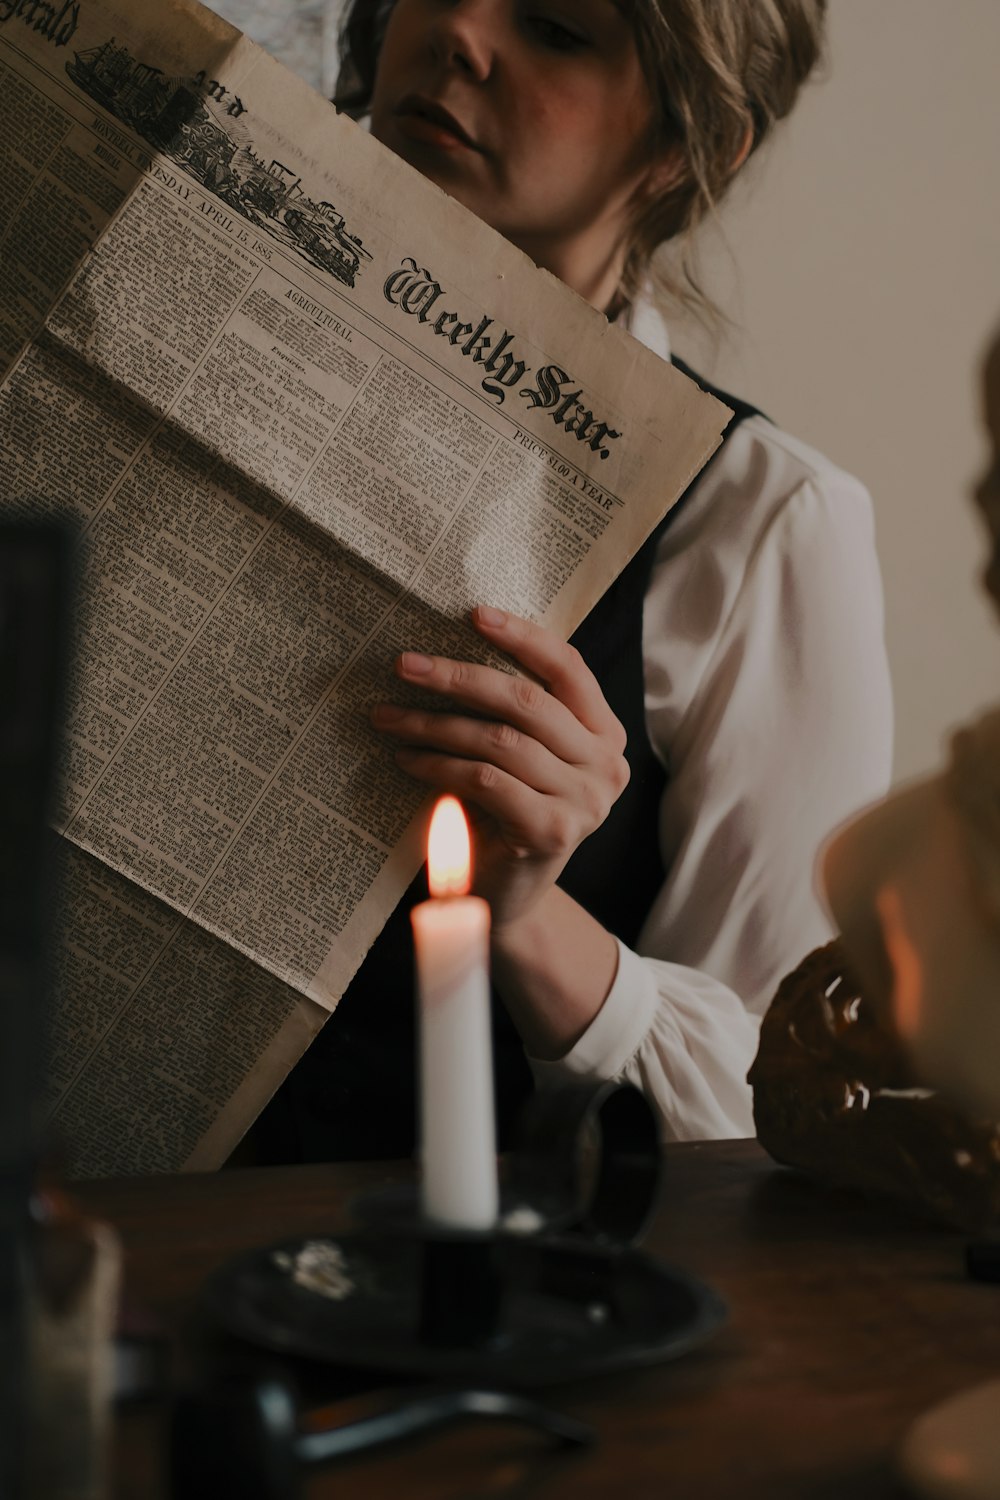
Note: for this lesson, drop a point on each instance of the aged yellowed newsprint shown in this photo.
(306, 411)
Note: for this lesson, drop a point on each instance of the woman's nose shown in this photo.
(466, 34)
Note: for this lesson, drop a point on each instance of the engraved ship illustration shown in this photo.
(141, 95)
(195, 130)
(101, 70)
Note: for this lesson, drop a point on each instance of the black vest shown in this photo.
(352, 1097)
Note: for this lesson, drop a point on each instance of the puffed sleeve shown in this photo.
(768, 698)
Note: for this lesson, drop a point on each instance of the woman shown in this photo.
(734, 679)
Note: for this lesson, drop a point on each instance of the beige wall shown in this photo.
(865, 275)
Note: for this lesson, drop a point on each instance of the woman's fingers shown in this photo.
(491, 763)
(558, 664)
(565, 710)
(502, 697)
(530, 823)
(540, 757)
(492, 741)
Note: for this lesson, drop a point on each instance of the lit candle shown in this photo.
(451, 932)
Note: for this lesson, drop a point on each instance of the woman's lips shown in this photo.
(423, 120)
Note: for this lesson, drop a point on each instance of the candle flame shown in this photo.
(449, 850)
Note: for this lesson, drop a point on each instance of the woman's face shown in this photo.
(533, 113)
(987, 493)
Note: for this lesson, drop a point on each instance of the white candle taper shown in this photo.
(451, 933)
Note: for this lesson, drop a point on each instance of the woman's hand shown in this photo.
(538, 760)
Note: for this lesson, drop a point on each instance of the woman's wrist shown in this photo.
(554, 968)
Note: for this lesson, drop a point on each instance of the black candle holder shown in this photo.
(556, 1291)
(461, 1291)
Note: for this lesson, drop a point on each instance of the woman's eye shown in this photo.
(555, 34)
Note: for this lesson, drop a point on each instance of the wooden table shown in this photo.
(846, 1321)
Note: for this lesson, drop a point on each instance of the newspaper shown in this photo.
(306, 411)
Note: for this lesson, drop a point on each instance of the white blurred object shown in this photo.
(952, 1452)
(914, 886)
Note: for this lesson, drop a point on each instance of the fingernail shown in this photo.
(415, 664)
(487, 615)
(387, 713)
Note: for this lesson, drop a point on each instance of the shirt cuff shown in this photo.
(617, 1031)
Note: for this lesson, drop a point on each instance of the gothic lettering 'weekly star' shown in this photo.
(414, 290)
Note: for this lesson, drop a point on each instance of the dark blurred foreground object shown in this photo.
(73, 1281)
(58, 1272)
(34, 593)
(245, 1439)
(835, 1095)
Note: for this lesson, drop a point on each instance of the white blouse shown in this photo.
(767, 697)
